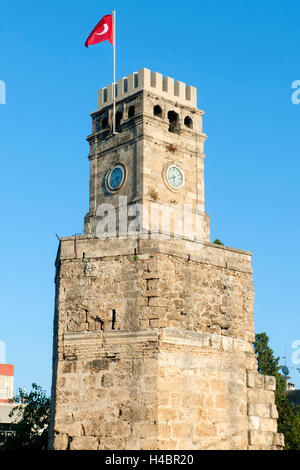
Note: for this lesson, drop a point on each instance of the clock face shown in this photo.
(116, 177)
(175, 176)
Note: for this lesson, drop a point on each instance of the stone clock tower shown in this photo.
(153, 326)
(153, 168)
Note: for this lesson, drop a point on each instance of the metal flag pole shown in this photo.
(114, 84)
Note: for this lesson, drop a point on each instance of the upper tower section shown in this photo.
(153, 164)
(155, 83)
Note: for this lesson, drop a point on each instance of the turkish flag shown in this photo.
(104, 31)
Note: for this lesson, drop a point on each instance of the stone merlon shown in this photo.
(153, 82)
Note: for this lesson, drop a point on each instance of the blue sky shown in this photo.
(242, 57)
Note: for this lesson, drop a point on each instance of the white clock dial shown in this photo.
(175, 176)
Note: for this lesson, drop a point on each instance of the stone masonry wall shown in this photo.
(204, 396)
(262, 413)
(106, 392)
(154, 290)
(154, 351)
(162, 389)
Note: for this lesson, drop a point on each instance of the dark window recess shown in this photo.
(188, 122)
(105, 95)
(131, 112)
(125, 85)
(113, 320)
(174, 122)
(157, 111)
(104, 123)
(136, 80)
(119, 116)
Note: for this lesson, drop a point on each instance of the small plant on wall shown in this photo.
(171, 148)
(153, 194)
(218, 242)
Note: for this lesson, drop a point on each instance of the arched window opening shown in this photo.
(119, 116)
(131, 112)
(104, 123)
(174, 122)
(97, 125)
(157, 111)
(188, 122)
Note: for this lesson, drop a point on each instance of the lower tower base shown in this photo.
(162, 389)
(154, 351)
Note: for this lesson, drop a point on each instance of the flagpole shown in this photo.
(114, 84)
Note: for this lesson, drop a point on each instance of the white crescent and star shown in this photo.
(104, 31)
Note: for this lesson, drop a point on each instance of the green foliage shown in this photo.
(31, 431)
(267, 363)
(218, 242)
(289, 419)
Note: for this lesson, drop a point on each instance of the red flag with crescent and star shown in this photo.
(102, 32)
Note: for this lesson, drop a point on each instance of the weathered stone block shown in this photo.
(268, 425)
(270, 383)
(262, 439)
(250, 379)
(259, 381)
(205, 430)
(98, 365)
(279, 440)
(133, 443)
(251, 409)
(107, 380)
(227, 343)
(263, 410)
(254, 422)
(164, 431)
(273, 411)
(61, 441)
(144, 430)
(84, 443)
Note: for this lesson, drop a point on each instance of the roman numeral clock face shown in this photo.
(175, 176)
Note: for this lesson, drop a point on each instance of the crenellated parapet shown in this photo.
(155, 83)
